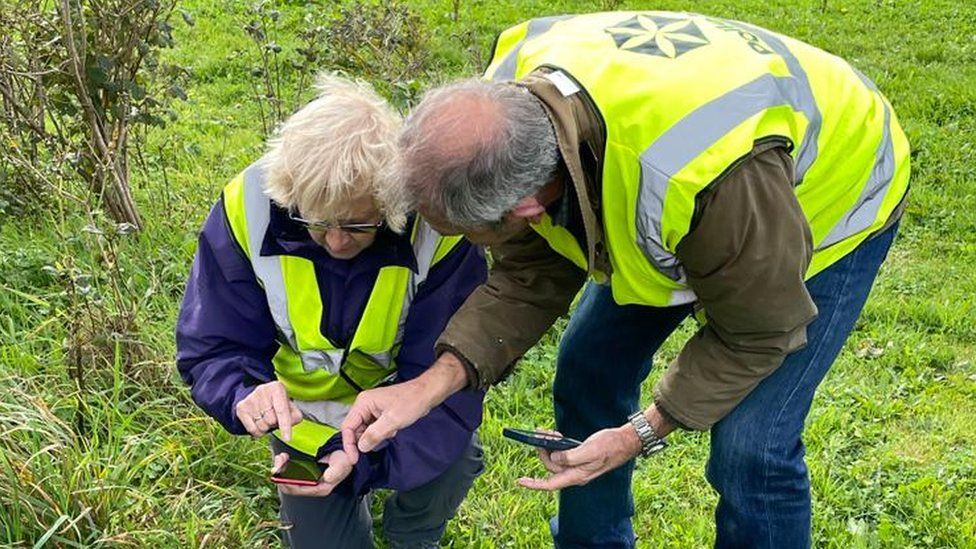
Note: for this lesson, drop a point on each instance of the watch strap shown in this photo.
(651, 443)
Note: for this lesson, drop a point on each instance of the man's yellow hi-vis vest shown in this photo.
(684, 98)
(321, 378)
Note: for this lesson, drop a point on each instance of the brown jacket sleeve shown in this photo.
(746, 261)
(528, 288)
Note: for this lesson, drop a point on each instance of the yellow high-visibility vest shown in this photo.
(321, 378)
(684, 99)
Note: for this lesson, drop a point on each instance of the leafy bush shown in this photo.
(385, 43)
(279, 76)
(77, 78)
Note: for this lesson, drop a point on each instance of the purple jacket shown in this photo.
(225, 337)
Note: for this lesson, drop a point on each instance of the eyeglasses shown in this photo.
(353, 228)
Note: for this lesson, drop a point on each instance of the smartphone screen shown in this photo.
(300, 471)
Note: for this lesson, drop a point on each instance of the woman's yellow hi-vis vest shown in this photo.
(322, 379)
(684, 99)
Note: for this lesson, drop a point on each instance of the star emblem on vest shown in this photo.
(656, 35)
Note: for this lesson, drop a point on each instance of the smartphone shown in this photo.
(301, 472)
(541, 440)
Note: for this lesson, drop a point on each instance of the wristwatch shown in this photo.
(650, 442)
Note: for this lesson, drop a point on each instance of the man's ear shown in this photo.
(529, 208)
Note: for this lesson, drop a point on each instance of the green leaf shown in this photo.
(136, 91)
(96, 75)
(187, 18)
(177, 91)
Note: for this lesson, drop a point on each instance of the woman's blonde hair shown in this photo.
(338, 148)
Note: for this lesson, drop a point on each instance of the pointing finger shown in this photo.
(296, 414)
(282, 413)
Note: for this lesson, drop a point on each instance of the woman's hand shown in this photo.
(267, 407)
(339, 468)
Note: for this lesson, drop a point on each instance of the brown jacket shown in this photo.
(745, 258)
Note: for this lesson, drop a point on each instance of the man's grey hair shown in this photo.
(471, 150)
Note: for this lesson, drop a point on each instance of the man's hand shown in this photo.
(339, 468)
(603, 451)
(379, 413)
(267, 407)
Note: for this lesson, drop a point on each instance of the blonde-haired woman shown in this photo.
(312, 281)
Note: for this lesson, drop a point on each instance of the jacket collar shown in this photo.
(581, 137)
(286, 237)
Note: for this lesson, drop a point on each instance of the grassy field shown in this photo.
(890, 437)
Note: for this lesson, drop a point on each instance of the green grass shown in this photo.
(889, 439)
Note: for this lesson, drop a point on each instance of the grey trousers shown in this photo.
(413, 519)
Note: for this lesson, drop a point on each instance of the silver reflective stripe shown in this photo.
(268, 270)
(802, 100)
(424, 247)
(506, 70)
(386, 358)
(325, 412)
(686, 140)
(257, 207)
(866, 209)
(868, 83)
(328, 360)
(680, 297)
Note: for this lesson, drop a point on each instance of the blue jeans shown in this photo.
(756, 463)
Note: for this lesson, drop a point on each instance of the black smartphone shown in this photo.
(301, 472)
(541, 440)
